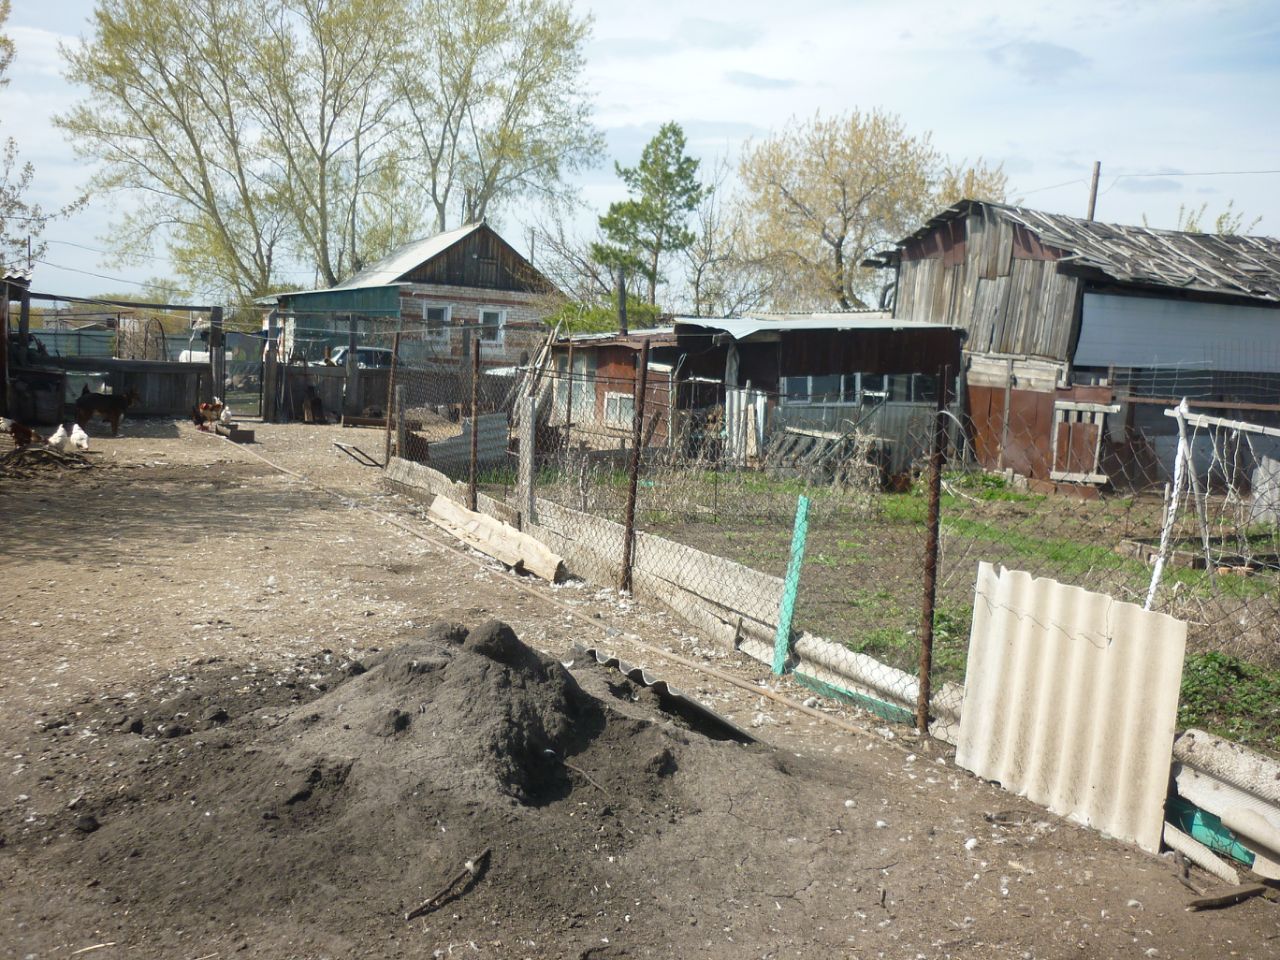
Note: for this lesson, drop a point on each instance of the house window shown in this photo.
(582, 384)
(491, 324)
(619, 409)
(833, 388)
(435, 321)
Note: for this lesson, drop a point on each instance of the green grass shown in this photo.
(1234, 699)
(900, 647)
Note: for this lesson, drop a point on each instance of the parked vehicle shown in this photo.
(366, 358)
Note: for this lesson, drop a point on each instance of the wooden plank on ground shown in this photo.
(497, 539)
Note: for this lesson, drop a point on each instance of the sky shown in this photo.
(1178, 99)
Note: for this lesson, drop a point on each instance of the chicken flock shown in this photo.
(61, 441)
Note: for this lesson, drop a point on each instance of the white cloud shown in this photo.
(1153, 86)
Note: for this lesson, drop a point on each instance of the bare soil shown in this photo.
(234, 724)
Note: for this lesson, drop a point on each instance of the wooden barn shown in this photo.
(750, 380)
(1081, 333)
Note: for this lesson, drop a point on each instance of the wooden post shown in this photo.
(568, 405)
(1008, 398)
(475, 424)
(4, 351)
(931, 552)
(350, 396)
(633, 478)
(217, 353)
(1093, 189)
(270, 386)
(391, 388)
(24, 327)
(402, 430)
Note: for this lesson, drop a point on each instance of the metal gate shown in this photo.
(242, 387)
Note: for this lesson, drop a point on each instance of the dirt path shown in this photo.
(177, 651)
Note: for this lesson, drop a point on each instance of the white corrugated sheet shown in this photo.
(742, 327)
(1071, 699)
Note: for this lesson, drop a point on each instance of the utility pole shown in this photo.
(1093, 189)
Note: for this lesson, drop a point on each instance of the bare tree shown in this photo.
(496, 104)
(823, 194)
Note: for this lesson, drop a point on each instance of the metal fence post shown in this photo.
(402, 430)
(637, 433)
(475, 424)
(391, 392)
(528, 441)
(931, 553)
(786, 612)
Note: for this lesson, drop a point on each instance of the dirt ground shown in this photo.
(229, 728)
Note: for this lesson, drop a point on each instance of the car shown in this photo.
(366, 357)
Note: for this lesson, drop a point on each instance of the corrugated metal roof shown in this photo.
(1071, 699)
(370, 301)
(404, 258)
(632, 338)
(1210, 263)
(740, 328)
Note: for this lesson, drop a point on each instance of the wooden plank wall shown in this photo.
(1002, 287)
(164, 389)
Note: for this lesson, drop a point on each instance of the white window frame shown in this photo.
(502, 326)
(443, 332)
(616, 421)
(850, 387)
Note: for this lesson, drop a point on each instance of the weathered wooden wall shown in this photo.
(995, 280)
(164, 389)
(482, 259)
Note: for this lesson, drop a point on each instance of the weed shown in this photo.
(1227, 696)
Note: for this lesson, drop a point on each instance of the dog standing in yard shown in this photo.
(108, 406)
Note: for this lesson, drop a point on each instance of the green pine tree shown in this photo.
(643, 229)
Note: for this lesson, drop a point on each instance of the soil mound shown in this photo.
(488, 716)
(345, 799)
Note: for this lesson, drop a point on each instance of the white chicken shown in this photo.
(79, 439)
(60, 440)
(225, 415)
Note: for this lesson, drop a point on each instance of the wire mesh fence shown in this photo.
(690, 496)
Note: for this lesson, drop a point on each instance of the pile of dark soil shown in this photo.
(327, 806)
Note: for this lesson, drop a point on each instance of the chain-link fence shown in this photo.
(799, 533)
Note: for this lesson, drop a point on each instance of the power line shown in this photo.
(1202, 173)
(152, 256)
(1055, 186)
(90, 273)
(1161, 173)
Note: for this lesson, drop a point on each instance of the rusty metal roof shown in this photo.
(1224, 264)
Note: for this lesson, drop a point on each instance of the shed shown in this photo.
(736, 384)
(1080, 332)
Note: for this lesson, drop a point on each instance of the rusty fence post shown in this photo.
(475, 424)
(637, 435)
(939, 444)
(391, 393)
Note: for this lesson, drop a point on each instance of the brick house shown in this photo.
(440, 292)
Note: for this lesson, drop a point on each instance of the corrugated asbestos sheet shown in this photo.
(1070, 701)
